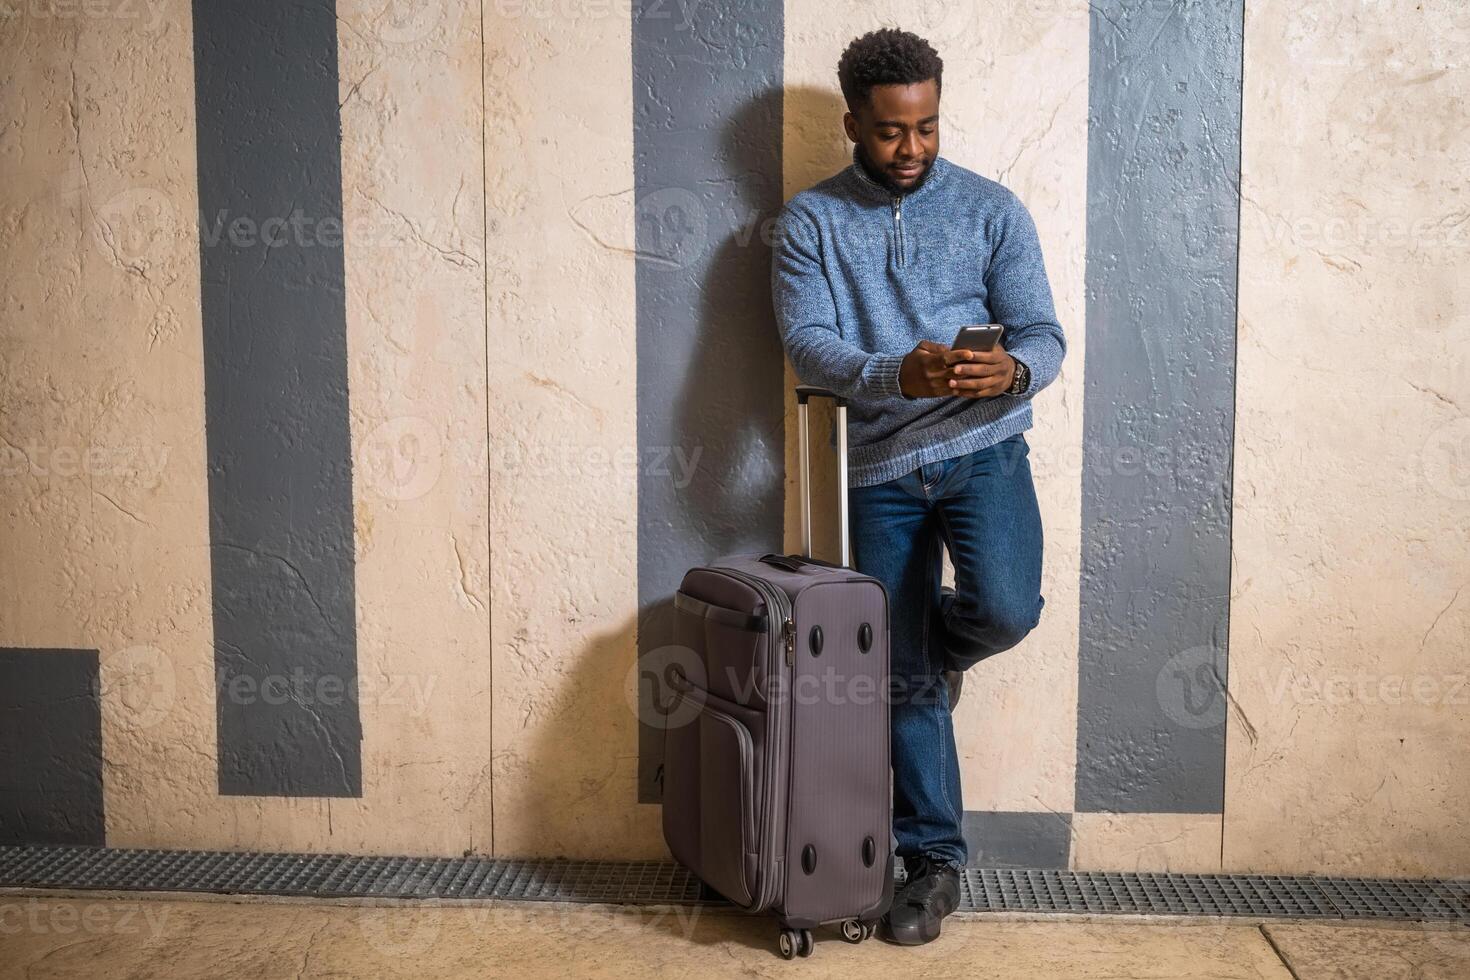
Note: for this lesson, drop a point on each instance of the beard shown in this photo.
(882, 178)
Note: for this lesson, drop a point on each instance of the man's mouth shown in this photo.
(909, 170)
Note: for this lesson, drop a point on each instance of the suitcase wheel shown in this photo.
(795, 942)
(855, 930)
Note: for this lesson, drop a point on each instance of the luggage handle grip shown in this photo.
(804, 393)
(794, 563)
(750, 622)
(807, 392)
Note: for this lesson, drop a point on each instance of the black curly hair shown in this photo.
(887, 56)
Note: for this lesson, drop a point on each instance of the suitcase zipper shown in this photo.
(778, 600)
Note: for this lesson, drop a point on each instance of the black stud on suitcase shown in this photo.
(776, 776)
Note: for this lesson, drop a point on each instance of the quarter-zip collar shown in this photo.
(858, 177)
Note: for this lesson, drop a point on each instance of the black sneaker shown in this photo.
(931, 891)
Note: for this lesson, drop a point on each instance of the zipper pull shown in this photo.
(788, 630)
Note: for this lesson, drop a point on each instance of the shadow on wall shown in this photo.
(729, 420)
(816, 148)
(734, 422)
(733, 405)
(577, 798)
(709, 314)
(718, 490)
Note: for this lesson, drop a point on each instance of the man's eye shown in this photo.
(927, 132)
(889, 136)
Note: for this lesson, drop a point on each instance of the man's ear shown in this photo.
(849, 124)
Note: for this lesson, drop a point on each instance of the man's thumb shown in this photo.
(931, 347)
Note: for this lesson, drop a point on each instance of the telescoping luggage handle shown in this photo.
(805, 393)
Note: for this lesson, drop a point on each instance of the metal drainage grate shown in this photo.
(345, 876)
(652, 882)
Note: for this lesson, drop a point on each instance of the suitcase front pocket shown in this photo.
(731, 645)
(726, 811)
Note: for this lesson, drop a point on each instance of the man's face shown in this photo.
(898, 131)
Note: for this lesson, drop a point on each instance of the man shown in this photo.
(875, 270)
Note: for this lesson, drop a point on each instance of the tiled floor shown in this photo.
(120, 937)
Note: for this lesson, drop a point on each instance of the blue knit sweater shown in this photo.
(859, 277)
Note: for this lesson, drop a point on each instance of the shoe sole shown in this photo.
(914, 935)
(909, 936)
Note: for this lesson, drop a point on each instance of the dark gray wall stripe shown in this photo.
(275, 388)
(1163, 172)
(707, 135)
(1000, 839)
(50, 748)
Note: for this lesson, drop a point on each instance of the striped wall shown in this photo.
(484, 285)
(107, 399)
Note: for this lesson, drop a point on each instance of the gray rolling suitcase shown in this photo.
(776, 779)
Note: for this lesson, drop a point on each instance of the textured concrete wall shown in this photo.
(490, 289)
(1350, 616)
(564, 511)
(1163, 179)
(275, 398)
(107, 533)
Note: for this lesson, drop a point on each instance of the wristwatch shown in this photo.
(1022, 380)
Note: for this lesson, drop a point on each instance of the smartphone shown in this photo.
(978, 337)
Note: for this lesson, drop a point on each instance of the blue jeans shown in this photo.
(982, 507)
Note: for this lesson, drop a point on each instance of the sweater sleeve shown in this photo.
(806, 314)
(1020, 297)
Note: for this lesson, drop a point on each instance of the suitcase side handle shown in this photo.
(750, 622)
(804, 393)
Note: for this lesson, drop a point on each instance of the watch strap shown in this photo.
(1022, 380)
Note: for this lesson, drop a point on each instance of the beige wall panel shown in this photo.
(102, 362)
(559, 173)
(412, 176)
(103, 352)
(1351, 545)
(1014, 109)
(1182, 842)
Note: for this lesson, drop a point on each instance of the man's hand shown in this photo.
(925, 373)
(978, 373)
